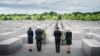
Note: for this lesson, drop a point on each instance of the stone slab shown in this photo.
(9, 46)
(96, 37)
(6, 35)
(76, 35)
(90, 47)
(24, 37)
(89, 35)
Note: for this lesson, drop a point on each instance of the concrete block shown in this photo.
(24, 37)
(76, 35)
(9, 46)
(96, 37)
(91, 47)
(89, 35)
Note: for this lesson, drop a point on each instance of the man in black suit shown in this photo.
(57, 35)
(38, 33)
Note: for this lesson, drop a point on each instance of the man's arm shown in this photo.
(54, 33)
(32, 33)
(60, 33)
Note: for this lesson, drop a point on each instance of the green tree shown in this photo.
(87, 17)
(54, 17)
(78, 16)
(82, 17)
(42, 18)
(59, 17)
(5, 18)
(67, 16)
(47, 17)
(72, 17)
(45, 13)
(98, 17)
(93, 17)
(28, 17)
(52, 13)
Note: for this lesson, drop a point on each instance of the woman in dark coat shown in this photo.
(68, 38)
(30, 38)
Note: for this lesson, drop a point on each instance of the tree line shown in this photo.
(88, 16)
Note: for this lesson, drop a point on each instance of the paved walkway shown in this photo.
(49, 50)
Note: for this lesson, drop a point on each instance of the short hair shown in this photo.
(57, 27)
(38, 26)
(68, 30)
(30, 28)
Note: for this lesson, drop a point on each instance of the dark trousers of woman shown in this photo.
(57, 43)
(39, 43)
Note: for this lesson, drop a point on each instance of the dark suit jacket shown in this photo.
(38, 33)
(57, 34)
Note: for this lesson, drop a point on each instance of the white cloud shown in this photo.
(26, 2)
(39, 6)
(28, 11)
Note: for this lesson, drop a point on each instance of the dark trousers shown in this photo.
(57, 43)
(38, 43)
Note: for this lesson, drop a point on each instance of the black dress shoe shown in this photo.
(39, 50)
(57, 51)
(68, 51)
(30, 49)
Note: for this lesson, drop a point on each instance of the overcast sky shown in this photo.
(40, 6)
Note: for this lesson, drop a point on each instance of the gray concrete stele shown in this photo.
(9, 46)
(91, 47)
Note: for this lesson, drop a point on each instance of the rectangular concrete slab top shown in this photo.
(9, 41)
(6, 33)
(92, 42)
(23, 35)
(76, 32)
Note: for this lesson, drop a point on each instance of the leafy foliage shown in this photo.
(93, 16)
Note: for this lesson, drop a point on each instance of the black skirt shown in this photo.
(68, 41)
(68, 38)
(30, 40)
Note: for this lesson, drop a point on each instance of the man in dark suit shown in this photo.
(57, 35)
(38, 33)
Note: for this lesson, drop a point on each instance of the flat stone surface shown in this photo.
(96, 30)
(6, 33)
(91, 47)
(76, 35)
(23, 35)
(9, 41)
(89, 35)
(96, 37)
(9, 46)
(49, 50)
(91, 42)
